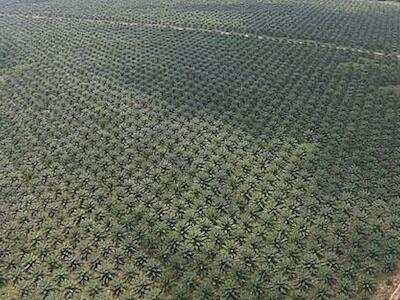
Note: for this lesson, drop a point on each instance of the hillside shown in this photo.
(236, 149)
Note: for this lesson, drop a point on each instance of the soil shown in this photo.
(389, 289)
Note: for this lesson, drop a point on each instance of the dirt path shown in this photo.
(389, 288)
(203, 30)
(396, 293)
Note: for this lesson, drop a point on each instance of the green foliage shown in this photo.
(156, 163)
(390, 89)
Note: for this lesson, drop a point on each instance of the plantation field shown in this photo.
(180, 149)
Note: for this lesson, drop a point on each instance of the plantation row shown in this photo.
(367, 24)
(150, 163)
